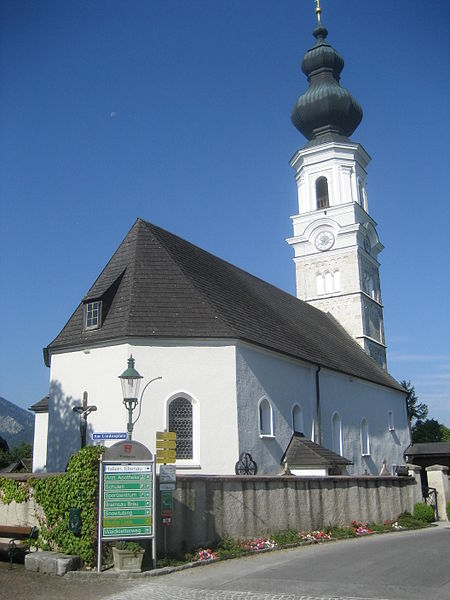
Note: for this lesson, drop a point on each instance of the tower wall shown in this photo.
(335, 241)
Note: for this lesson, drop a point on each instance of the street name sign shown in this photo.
(113, 435)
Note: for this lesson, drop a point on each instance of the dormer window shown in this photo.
(322, 193)
(92, 315)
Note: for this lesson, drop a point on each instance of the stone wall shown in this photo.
(209, 508)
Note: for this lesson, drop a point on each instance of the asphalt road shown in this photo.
(398, 566)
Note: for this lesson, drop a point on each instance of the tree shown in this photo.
(416, 410)
(445, 431)
(427, 431)
(23, 450)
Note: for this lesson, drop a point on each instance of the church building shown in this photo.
(234, 365)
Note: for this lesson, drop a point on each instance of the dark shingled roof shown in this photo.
(304, 452)
(430, 448)
(158, 285)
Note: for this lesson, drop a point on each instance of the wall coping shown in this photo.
(262, 478)
(442, 468)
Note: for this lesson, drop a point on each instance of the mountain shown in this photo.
(16, 424)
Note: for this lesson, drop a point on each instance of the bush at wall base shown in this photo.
(424, 512)
(128, 557)
(448, 510)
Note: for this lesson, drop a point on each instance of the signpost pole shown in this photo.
(154, 514)
(100, 516)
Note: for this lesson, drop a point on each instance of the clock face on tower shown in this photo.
(324, 241)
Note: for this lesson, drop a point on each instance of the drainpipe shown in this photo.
(318, 424)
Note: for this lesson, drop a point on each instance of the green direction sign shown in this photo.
(130, 494)
(127, 522)
(126, 531)
(166, 501)
(126, 503)
(127, 500)
(135, 485)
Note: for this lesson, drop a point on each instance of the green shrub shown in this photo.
(285, 538)
(134, 547)
(448, 510)
(405, 519)
(424, 512)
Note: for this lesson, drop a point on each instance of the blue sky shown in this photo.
(178, 111)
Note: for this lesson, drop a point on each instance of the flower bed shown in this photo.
(231, 548)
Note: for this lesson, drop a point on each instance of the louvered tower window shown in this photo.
(181, 422)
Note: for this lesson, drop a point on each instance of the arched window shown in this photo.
(337, 281)
(181, 422)
(322, 192)
(328, 283)
(336, 433)
(320, 284)
(297, 419)
(265, 417)
(361, 192)
(365, 446)
(391, 420)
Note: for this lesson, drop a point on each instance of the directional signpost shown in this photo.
(166, 452)
(127, 486)
(166, 447)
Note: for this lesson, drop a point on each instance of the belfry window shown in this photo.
(322, 193)
(181, 422)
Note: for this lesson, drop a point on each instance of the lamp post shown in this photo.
(131, 381)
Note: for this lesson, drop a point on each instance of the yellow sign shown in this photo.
(166, 444)
(166, 456)
(166, 435)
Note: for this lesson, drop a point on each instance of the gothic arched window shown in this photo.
(181, 422)
(322, 192)
(365, 445)
(336, 433)
(297, 419)
(265, 417)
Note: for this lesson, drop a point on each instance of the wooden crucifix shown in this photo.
(84, 410)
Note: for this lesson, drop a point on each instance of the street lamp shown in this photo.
(131, 381)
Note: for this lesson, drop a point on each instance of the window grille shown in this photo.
(181, 422)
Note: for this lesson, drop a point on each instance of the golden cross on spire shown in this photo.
(318, 11)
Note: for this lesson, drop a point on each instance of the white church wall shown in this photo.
(285, 383)
(40, 441)
(354, 400)
(203, 372)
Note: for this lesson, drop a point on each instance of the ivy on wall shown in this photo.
(10, 490)
(77, 488)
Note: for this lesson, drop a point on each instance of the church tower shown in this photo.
(335, 240)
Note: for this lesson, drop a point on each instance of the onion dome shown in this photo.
(326, 107)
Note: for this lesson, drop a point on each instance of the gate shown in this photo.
(430, 497)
